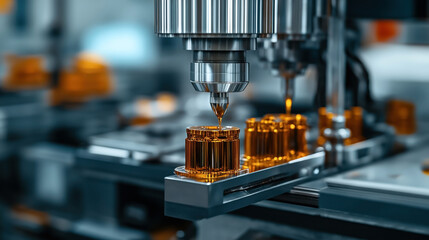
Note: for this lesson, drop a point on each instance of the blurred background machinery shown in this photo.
(329, 102)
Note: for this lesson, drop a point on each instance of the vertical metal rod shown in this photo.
(335, 84)
(336, 58)
(56, 35)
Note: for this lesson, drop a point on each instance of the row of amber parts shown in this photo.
(213, 154)
(88, 77)
(273, 140)
(400, 115)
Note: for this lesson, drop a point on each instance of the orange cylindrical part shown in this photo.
(354, 122)
(88, 77)
(325, 121)
(301, 140)
(401, 115)
(250, 137)
(283, 141)
(274, 139)
(26, 73)
(297, 142)
(386, 30)
(211, 153)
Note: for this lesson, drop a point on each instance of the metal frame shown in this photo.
(377, 146)
(192, 200)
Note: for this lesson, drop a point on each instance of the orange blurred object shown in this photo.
(25, 73)
(96, 73)
(325, 121)
(89, 77)
(141, 121)
(273, 140)
(6, 6)
(401, 115)
(166, 102)
(354, 122)
(386, 30)
(425, 167)
(26, 214)
(211, 154)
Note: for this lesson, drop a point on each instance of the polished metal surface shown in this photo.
(294, 24)
(213, 18)
(295, 19)
(336, 58)
(283, 56)
(395, 190)
(219, 44)
(400, 175)
(336, 83)
(274, 51)
(334, 146)
(219, 77)
(220, 71)
(189, 199)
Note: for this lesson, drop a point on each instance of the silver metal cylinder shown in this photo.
(214, 18)
(336, 58)
(219, 71)
(295, 19)
(335, 83)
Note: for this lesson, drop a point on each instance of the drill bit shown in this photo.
(219, 103)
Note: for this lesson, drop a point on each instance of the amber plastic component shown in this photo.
(297, 139)
(28, 214)
(96, 73)
(401, 115)
(425, 167)
(386, 30)
(6, 6)
(274, 139)
(325, 121)
(211, 154)
(25, 73)
(89, 77)
(354, 122)
(147, 109)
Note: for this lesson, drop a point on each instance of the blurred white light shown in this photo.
(122, 44)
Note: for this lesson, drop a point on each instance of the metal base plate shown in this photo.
(192, 200)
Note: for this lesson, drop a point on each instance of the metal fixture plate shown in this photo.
(400, 175)
(192, 200)
(375, 147)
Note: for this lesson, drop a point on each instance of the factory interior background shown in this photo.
(214, 119)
